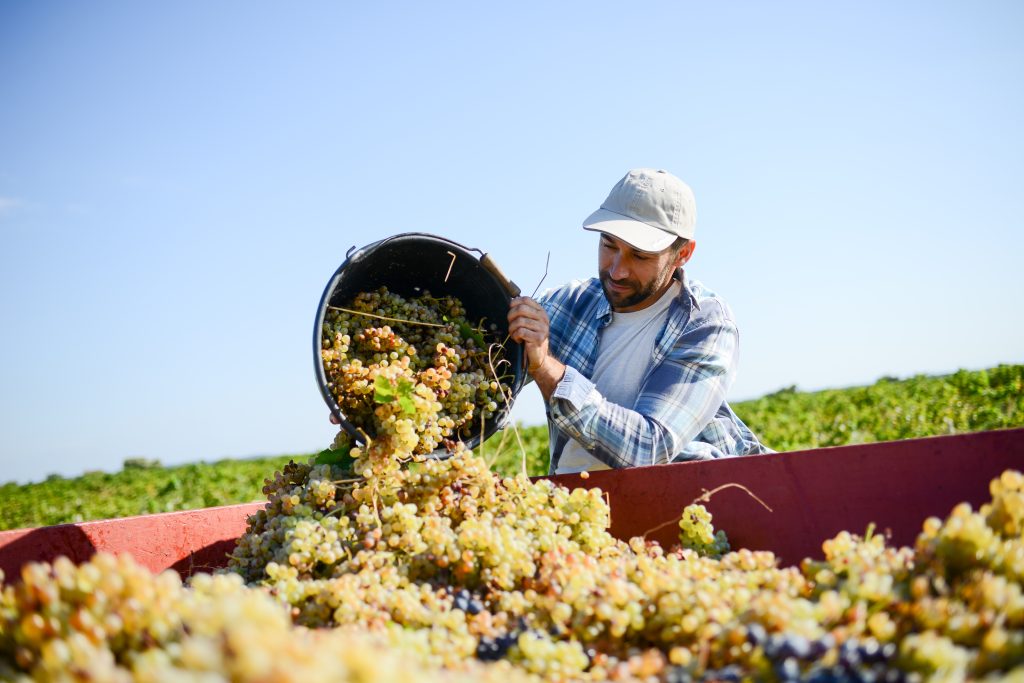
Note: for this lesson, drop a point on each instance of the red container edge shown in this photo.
(812, 494)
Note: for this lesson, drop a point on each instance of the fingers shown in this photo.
(528, 322)
(529, 325)
(525, 306)
(334, 420)
(527, 331)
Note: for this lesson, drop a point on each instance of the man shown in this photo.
(634, 365)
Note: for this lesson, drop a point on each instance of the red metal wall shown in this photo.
(187, 541)
(813, 494)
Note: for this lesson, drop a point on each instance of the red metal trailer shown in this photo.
(813, 495)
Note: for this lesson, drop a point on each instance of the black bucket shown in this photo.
(409, 264)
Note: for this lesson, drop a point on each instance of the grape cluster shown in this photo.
(698, 534)
(455, 570)
(525, 572)
(452, 378)
(110, 620)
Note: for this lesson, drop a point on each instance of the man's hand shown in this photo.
(528, 324)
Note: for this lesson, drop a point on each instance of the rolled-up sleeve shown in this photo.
(676, 401)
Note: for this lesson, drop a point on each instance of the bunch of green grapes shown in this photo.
(443, 564)
(414, 371)
(525, 571)
(698, 534)
(111, 620)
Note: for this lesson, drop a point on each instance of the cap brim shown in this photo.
(634, 233)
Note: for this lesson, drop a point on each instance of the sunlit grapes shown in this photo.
(454, 367)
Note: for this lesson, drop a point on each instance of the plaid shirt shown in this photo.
(680, 412)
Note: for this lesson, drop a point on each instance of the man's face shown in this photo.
(633, 280)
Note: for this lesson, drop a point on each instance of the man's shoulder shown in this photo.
(709, 306)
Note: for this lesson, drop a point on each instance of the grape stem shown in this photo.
(340, 508)
(494, 373)
(374, 500)
(497, 451)
(543, 277)
(706, 498)
(505, 398)
(396, 320)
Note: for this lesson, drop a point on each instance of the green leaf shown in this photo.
(331, 456)
(383, 391)
(468, 332)
(405, 390)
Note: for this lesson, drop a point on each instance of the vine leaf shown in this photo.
(469, 333)
(386, 392)
(332, 456)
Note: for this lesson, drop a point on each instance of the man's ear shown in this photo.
(685, 253)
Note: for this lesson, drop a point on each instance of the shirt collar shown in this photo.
(685, 291)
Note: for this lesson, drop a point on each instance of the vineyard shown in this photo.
(890, 409)
(788, 420)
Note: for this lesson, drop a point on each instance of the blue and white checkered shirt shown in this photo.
(680, 412)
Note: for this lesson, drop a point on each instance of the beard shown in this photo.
(640, 291)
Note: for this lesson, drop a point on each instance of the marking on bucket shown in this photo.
(449, 266)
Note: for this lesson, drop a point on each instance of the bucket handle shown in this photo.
(488, 263)
(510, 287)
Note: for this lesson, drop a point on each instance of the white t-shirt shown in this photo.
(626, 348)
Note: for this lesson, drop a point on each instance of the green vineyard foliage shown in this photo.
(889, 409)
(138, 489)
(787, 420)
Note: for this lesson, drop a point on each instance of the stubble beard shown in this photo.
(640, 294)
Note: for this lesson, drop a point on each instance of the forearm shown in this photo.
(547, 375)
(652, 433)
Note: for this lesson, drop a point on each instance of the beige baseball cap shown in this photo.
(647, 209)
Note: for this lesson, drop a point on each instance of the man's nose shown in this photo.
(619, 270)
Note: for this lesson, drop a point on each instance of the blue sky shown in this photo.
(179, 180)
